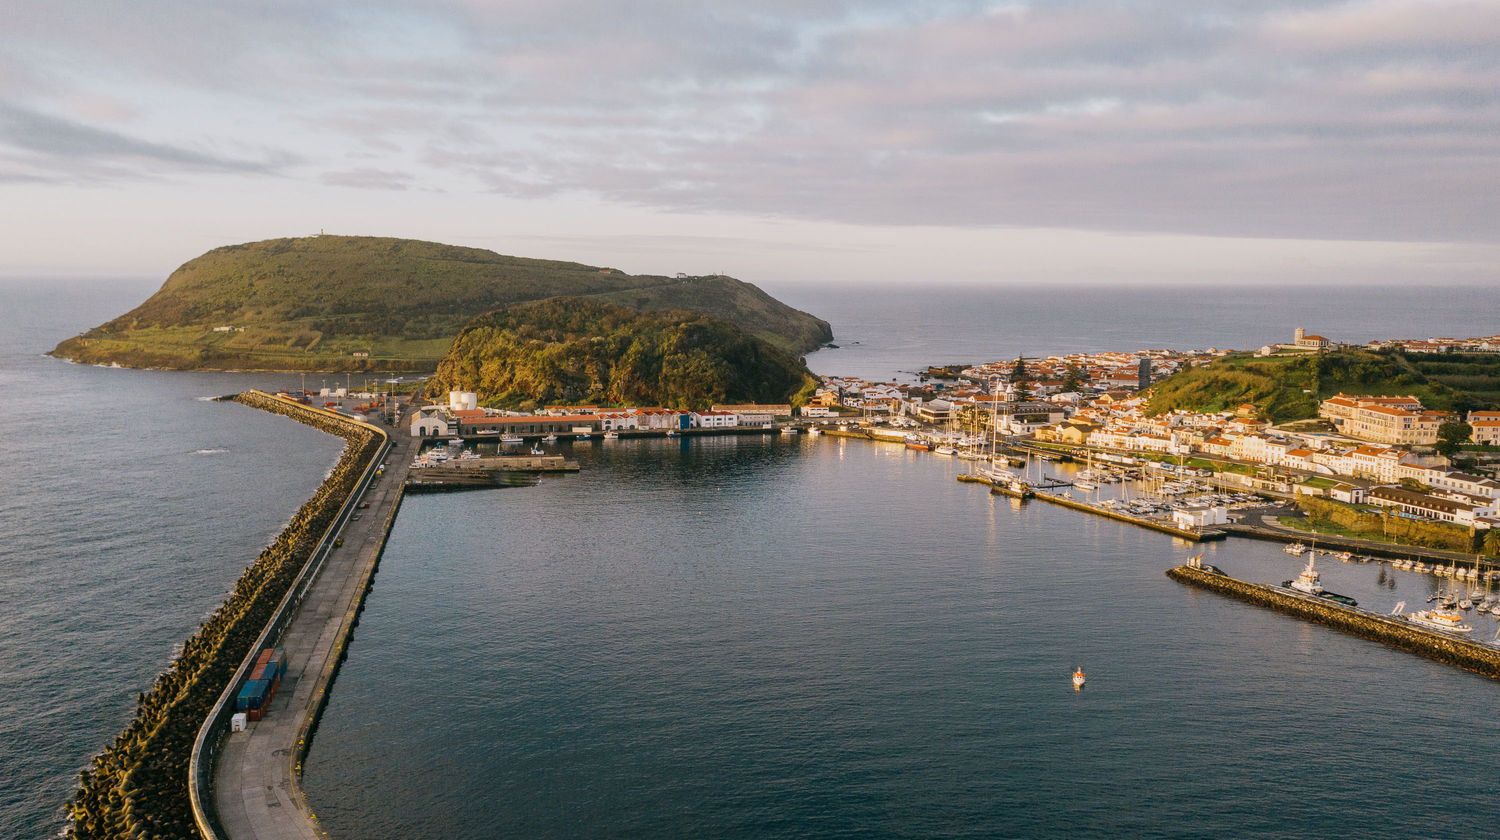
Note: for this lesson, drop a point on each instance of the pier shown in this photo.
(1389, 630)
(247, 785)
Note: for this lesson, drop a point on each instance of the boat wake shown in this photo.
(209, 451)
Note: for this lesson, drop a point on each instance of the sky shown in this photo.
(780, 142)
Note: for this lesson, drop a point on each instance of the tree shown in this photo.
(1492, 542)
(1452, 435)
(1020, 380)
(1073, 379)
(974, 419)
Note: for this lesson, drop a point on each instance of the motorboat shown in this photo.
(550, 439)
(945, 450)
(1078, 680)
(1295, 548)
(511, 440)
(611, 435)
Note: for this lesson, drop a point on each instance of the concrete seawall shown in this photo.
(246, 784)
(1395, 632)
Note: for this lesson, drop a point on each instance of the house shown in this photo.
(1486, 426)
(715, 419)
(432, 421)
(780, 411)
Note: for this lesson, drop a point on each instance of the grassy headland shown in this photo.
(378, 304)
(1285, 388)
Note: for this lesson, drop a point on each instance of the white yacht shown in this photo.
(510, 439)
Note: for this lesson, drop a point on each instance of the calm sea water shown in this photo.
(737, 637)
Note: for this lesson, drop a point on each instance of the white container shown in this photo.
(239, 722)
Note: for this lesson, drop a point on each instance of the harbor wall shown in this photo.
(329, 672)
(1374, 549)
(1391, 631)
(335, 502)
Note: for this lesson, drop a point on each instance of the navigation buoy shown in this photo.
(1078, 680)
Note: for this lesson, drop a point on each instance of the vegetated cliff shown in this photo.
(377, 304)
(1291, 387)
(578, 350)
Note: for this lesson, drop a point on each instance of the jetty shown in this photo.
(1192, 534)
(1390, 630)
(246, 785)
(449, 479)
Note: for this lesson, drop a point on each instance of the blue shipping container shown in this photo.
(253, 695)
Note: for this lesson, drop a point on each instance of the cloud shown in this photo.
(368, 179)
(1369, 119)
(65, 145)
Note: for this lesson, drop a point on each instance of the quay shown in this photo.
(1469, 655)
(508, 463)
(1199, 535)
(247, 785)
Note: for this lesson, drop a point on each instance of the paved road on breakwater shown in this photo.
(254, 790)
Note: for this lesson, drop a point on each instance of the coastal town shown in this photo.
(1368, 452)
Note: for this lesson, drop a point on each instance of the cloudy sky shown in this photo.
(1191, 141)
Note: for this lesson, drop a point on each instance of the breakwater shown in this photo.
(139, 786)
(1388, 630)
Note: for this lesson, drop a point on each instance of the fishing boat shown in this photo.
(611, 435)
(1078, 680)
(914, 442)
(815, 431)
(1295, 548)
(789, 430)
(511, 440)
(1307, 580)
(672, 433)
(1448, 622)
(550, 439)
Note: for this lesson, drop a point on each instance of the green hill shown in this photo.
(377, 304)
(1291, 387)
(579, 350)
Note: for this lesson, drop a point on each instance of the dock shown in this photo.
(1199, 535)
(1390, 630)
(506, 463)
(450, 479)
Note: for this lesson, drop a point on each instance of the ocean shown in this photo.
(741, 637)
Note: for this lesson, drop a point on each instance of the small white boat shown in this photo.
(789, 430)
(1078, 680)
(1085, 485)
(945, 450)
(550, 439)
(815, 431)
(1308, 579)
(611, 435)
(1295, 548)
(510, 439)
